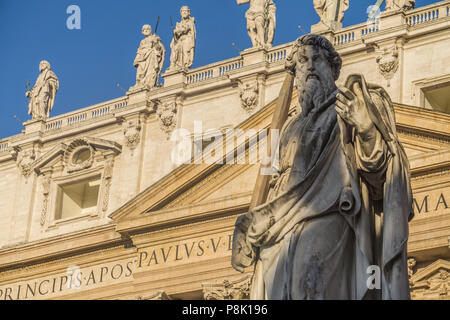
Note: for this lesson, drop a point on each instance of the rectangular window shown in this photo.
(437, 97)
(76, 199)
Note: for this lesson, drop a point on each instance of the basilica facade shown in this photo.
(137, 197)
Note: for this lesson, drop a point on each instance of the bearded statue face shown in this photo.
(315, 76)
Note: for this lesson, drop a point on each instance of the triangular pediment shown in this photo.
(62, 151)
(432, 271)
(196, 190)
(192, 189)
(432, 282)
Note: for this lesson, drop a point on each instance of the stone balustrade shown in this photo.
(414, 17)
(346, 37)
(86, 114)
(273, 56)
(278, 54)
(4, 145)
(428, 13)
(213, 71)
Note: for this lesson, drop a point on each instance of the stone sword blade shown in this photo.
(280, 116)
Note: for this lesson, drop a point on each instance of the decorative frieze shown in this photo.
(107, 176)
(249, 96)
(45, 193)
(228, 290)
(132, 133)
(388, 62)
(79, 155)
(25, 160)
(167, 115)
(431, 282)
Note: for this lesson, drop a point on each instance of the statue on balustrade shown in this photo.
(149, 59)
(331, 13)
(261, 21)
(339, 201)
(400, 4)
(183, 42)
(42, 95)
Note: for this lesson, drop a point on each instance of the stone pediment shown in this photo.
(63, 153)
(432, 282)
(195, 191)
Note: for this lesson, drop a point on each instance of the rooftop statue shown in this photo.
(400, 4)
(149, 59)
(261, 21)
(331, 12)
(340, 199)
(183, 42)
(42, 95)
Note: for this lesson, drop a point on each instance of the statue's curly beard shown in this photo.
(313, 91)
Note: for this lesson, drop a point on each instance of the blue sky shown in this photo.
(91, 61)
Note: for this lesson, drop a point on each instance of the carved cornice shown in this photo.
(423, 135)
(57, 248)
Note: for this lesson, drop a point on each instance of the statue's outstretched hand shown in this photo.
(352, 108)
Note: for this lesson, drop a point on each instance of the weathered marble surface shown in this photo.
(342, 174)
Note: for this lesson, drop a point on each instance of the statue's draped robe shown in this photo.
(183, 47)
(316, 235)
(326, 9)
(43, 95)
(149, 60)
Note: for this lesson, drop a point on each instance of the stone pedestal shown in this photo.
(391, 18)
(33, 126)
(136, 96)
(253, 56)
(174, 77)
(321, 28)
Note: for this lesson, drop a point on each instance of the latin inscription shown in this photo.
(89, 278)
(431, 203)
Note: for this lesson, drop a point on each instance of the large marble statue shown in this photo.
(261, 21)
(183, 42)
(149, 59)
(331, 12)
(400, 4)
(42, 95)
(340, 200)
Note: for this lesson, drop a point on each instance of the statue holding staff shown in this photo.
(149, 59)
(42, 95)
(339, 202)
